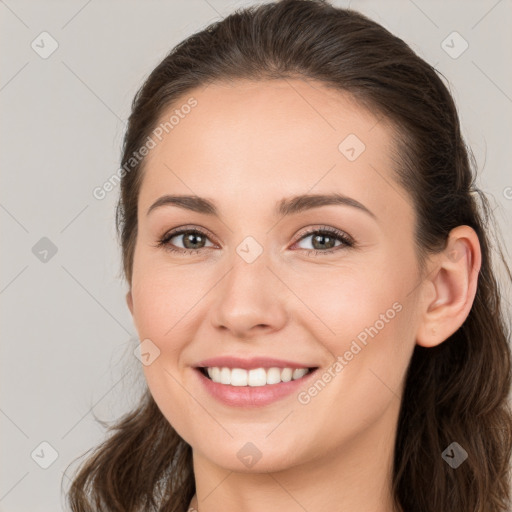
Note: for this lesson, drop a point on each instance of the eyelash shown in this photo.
(348, 242)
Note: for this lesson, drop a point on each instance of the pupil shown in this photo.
(317, 237)
(192, 236)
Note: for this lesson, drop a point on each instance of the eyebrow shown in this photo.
(285, 207)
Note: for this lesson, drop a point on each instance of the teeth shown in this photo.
(286, 374)
(256, 377)
(225, 375)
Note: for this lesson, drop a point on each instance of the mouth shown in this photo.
(256, 377)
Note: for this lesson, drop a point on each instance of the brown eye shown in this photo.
(192, 240)
(325, 240)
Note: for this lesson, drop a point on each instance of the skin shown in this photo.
(246, 146)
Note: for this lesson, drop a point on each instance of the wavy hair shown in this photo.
(456, 391)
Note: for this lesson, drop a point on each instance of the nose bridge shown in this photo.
(249, 294)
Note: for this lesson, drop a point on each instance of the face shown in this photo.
(330, 285)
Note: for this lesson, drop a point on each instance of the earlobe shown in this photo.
(451, 287)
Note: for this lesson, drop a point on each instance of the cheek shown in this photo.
(372, 346)
(162, 297)
(365, 316)
(161, 301)
(342, 302)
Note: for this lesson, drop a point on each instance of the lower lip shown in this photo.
(252, 396)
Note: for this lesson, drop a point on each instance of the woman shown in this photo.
(310, 278)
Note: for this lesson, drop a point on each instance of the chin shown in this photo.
(247, 457)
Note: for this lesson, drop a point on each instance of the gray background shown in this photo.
(67, 335)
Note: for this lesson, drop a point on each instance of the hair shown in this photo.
(456, 391)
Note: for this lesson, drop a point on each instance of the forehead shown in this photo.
(248, 140)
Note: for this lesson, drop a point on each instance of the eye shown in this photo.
(192, 239)
(324, 240)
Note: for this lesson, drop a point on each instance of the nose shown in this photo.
(249, 300)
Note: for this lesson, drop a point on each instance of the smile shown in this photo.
(246, 388)
(256, 377)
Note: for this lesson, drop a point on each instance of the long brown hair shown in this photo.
(456, 391)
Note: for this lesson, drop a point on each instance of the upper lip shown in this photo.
(250, 364)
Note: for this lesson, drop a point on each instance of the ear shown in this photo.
(450, 287)
(129, 301)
